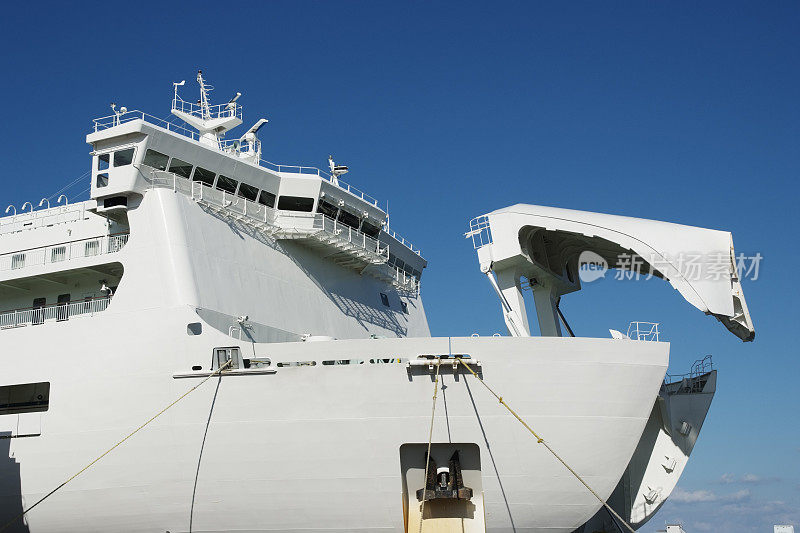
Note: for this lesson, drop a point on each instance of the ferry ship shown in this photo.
(286, 316)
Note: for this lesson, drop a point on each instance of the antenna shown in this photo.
(336, 170)
(204, 90)
(253, 144)
(176, 85)
(211, 121)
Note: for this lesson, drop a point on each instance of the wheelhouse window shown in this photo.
(24, 398)
(370, 229)
(327, 209)
(224, 183)
(103, 161)
(248, 192)
(157, 160)
(204, 176)
(123, 157)
(349, 219)
(296, 203)
(266, 198)
(101, 180)
(181, 168)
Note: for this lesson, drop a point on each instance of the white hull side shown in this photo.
(314, 448)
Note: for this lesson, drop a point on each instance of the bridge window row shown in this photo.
(159, 161)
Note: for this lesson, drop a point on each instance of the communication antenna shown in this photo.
(204, 90)
(176, 85)
(336, 170)
(211, 121)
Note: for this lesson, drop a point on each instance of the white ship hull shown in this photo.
(316, 448)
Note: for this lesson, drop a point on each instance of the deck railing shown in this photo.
(65, 251)
(253, 210)
(287, 223)
(228, 110)
(59, 312)
(643, 331)
(42, 217)
(110, 121)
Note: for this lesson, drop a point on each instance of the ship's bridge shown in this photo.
(134, 152)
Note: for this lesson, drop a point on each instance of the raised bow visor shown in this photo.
(547, 246)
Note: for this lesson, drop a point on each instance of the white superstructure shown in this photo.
(194, 252)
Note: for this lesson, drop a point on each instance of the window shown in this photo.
(62, 310)
(296, 203)
(17, 261)
(123, 157)
(385, 299)
(204, 176)
(181, 168)
(91, 248)
(101, 180)
(37, 314)
(194, 328)
(327, 209)
(370, 229)
(103, 161)
(404, 305)
(157, 160)
(349, 219)
(266, 198)
(115, 201)
(24, 398)
(248, 192)
(58, 253)
(224, 183)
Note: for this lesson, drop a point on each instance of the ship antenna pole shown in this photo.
(204, 108)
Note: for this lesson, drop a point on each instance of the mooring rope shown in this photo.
(131, 434)
(430, 440)
(541, 441)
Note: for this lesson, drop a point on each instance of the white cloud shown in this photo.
(693, 496)
(696, 496)
(751, 479)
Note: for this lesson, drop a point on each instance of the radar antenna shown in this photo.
(248, 146)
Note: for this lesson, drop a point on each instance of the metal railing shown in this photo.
(347, 234)
(699, 367)
(42, 217)
(56, 253)
(229, 110)
(480, 232)
(110, 121)
(261, 214)
(402, 241)
(59, 312)
(643, 331)
(287, 224)
(236, 206)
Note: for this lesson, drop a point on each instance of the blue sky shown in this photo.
(673, 111)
